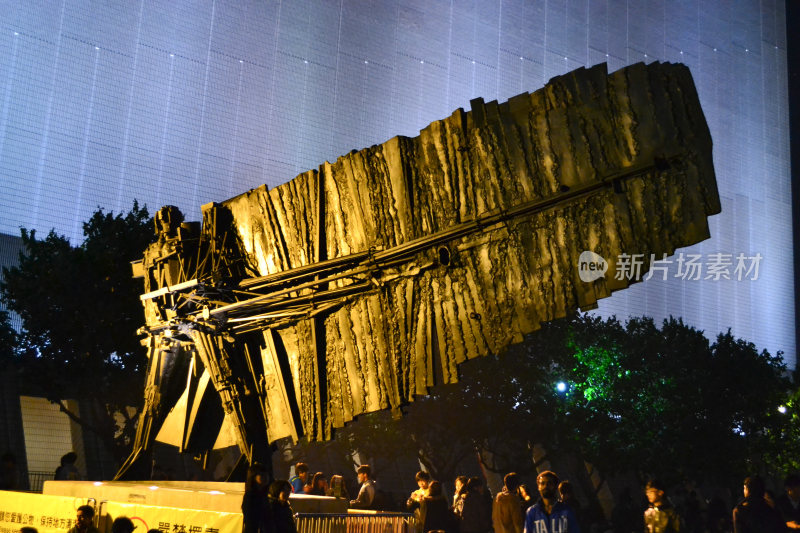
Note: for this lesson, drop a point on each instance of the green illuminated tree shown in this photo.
(782, 455)
(666, 401)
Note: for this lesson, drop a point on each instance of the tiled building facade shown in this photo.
(190, 102)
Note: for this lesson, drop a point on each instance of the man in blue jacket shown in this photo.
(299, 479)
(549, 515)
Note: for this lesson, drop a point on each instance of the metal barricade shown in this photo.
(375, 522)
(36, 480)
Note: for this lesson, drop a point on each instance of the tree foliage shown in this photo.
(783, 435)
(8, 337)
(656, 401)
(80, 311)
(668, 402)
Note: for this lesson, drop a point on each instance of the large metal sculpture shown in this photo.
(357, 286)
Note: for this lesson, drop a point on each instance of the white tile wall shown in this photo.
(187, 102)
(49, 434)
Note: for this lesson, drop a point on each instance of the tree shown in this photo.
(440, 431)
(501, 405)
(637, 398)
(782, 454)
(8, 337)
(668, 402)
(80, 311)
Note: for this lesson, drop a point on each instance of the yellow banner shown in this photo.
(169, 520)
(48, 514)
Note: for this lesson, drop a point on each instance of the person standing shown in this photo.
(280, 508)
(83, 520)
(753, 514)
(567, 495)
(507, 513)
(67, 471)
(423, 479)
(788, 503)
(299, 479)
(476, 510)
(366, 495)
(122, 524)
(256, 510)
(413, 503)
(661, 516)
(434, 512)
(337, 488)
(318, 485)
(525, 496)
(9, 474)
(548, 514)
(459, 494)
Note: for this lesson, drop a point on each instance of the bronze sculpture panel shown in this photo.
(357, 286)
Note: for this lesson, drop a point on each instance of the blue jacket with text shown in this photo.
(561, 520)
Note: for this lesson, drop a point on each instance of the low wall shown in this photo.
(199, 495)
(168, 519)
(50, 513)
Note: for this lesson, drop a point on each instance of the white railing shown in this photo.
(367, 522)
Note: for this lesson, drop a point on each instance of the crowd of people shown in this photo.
(318, 484)
(83, 523)
(514, 510)
(474, 510)
(554, 508)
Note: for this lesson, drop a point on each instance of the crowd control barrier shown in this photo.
(375, 522)
(48, 514)
(169, 519)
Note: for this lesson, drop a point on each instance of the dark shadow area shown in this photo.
(793, 61)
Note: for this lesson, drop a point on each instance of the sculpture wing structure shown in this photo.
(357, 286)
